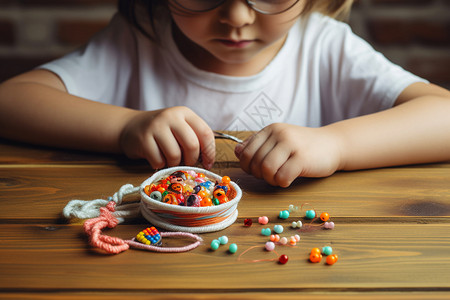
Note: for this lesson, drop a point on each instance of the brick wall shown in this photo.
(413, 33)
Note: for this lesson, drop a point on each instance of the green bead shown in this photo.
(284, 214)
(215, 201)
(327, 250)
(310, 214)
(215, 244)
(233, 248)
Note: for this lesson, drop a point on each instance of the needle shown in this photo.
(220, 135)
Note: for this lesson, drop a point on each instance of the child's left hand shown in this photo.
(280, 153)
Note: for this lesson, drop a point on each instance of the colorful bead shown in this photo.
(292, 241)
(283, 259)
(310, 214)
(329, 225)
(297, 237)
(315, 250)
(223, 240)
(155, 195)
(233, 248)
(270, 246)
(274, 238)
(297, 224)
(278, 228)
(283, 241)
(266, 231)
(327, 250)
(324, 216)
(193, 200)
(315, 257)
(149, 236)
(284, 214)
(220, 194)
(248, 222)
(215, 244)
(332, 259)
(263, 220)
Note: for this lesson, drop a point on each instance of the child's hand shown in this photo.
(279, 153)
(167, 137)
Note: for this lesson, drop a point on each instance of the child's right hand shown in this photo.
(168, 137)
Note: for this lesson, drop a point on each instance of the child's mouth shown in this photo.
(236, 44)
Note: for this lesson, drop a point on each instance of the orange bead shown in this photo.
(206, 202)
(147, 190)
(316, 251)
(331, 259)
(226, 180)
(315, 257)
(324, 216)
(202, 194)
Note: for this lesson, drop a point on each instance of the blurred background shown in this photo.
(412, 33)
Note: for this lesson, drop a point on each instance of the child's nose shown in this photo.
(237, 13)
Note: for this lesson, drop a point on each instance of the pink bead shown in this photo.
(263, 220)
(329, 225)
(293, 241)
(283, 241)
(270, 246)
(297, 237)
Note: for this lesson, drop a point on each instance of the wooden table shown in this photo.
(392, 234)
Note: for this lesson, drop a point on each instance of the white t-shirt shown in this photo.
(323, 73)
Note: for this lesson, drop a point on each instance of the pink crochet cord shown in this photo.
(93, 227)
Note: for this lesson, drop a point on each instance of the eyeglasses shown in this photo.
(267, 7)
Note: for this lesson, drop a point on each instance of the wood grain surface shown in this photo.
(392, 234)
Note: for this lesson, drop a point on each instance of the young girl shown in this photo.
(165, 73)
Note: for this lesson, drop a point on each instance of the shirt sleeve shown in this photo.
(356, 80)
(102, 69)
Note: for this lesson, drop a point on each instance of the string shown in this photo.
(257, 260)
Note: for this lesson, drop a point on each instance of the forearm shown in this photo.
(417, 131)
(36, 113)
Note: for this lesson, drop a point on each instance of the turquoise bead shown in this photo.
(310, 214)
(215, 244)
(223, 240)
(284, 214)
(278, 228)
(233, 248)
(266, 231)
(327, 250)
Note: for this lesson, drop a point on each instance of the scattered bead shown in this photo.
(283, 259)
(283, 241)
(293, 208)
(329, 225)
(263, 220)
(215, 244)
(278, 228)
(310, 214)
(274, 238)
(297, 224)
(270, 246)
(223, 240)
(324, 216)
(284, 214)
(327, 250)
(266, 231)
(297, 237)
(248, 222)
(315, 257)
(233, 248)
(293, 241)
(315, 250)
(332, 259)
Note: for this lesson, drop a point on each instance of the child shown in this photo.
(164, 73)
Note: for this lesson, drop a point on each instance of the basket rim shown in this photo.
(187, 209)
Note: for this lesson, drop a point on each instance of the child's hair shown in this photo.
(338, 9)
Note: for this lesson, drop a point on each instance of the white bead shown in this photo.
(283, 241)
(294, 224)
(299, 224)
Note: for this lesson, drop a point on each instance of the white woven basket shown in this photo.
(185, 218)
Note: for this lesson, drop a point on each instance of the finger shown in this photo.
(206, 140)
(188, 141)
(250, 146)
(153, 154)
(260, 158)
(169, 147)
(272, 163)
(289, 171)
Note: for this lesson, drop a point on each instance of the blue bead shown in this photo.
(233, 248)
(327, 250)
(284, 214)
(278, 228)
(310, 214)
(215, 244)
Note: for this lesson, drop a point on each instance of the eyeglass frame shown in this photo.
(249, 3)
